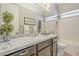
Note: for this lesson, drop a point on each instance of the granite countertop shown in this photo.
(22, 42)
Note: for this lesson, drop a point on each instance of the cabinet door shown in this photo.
(43, 45)
(26, 52)
(44, 49)
(45, 52)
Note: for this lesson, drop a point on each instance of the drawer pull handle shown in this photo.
(21, 54)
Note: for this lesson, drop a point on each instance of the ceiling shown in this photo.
(41, 10)
(64, 7)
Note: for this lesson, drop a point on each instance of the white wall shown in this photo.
(14, 10)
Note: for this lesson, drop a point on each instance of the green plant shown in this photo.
(7, 17)
(7, 27)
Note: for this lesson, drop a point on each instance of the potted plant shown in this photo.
(6, 27)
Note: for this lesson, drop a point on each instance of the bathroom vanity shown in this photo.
(30, 46)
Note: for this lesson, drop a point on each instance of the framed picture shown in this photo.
(29, 21)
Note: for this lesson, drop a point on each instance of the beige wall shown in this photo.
(49, 26)
(25, 13)
(69, 29)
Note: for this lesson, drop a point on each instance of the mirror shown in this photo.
(29, 26)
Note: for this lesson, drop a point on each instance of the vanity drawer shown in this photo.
(43, 45)
(25, 52)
